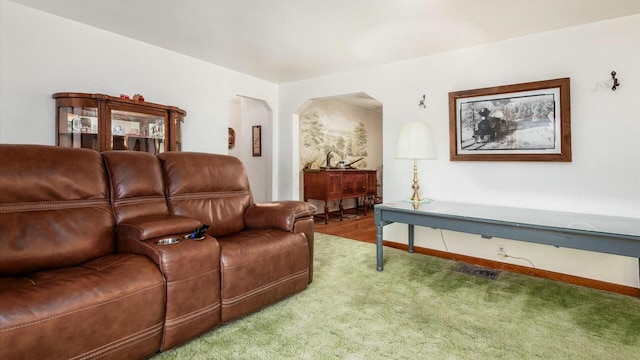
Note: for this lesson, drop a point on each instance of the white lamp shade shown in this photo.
(415, 142)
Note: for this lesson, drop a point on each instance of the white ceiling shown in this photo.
(288, 40)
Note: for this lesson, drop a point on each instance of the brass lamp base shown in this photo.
(416, 186)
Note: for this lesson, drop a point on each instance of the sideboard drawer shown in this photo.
(354, 184)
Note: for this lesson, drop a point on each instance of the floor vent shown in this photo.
(479, 271)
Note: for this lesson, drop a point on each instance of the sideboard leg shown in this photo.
(366, 204)
(326, 213)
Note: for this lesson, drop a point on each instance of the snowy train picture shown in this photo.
(528, 121)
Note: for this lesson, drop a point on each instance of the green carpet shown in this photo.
(420, 307)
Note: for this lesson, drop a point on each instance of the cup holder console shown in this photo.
(168, 241)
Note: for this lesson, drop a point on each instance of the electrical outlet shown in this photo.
(502, 251)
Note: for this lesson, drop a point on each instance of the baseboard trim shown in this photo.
(545, 274)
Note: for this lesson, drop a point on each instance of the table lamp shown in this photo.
(415, 142)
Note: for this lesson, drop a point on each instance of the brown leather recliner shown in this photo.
(266, 249)
(191, 268)
(64, 290)
(82, 274)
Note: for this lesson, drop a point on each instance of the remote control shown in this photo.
(198, 232)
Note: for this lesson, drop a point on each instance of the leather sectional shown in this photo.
(82, 274)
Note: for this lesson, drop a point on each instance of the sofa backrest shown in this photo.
(137, 184)
(211, 188)
(54, 208)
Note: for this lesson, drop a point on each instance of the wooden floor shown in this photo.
(357, 227)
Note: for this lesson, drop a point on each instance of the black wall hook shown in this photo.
(615, 81)
(422, 102)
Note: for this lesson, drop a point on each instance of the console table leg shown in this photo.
(411, 229)
(341, 209)
(379, 247)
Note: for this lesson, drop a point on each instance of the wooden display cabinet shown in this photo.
(102, 122)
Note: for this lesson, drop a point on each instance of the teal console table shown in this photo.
(605, 234)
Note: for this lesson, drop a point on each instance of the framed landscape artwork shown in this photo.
(520, 122)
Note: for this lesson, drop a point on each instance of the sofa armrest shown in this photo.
(140, 235)
(277, 214)
(149, 227)
(293, 216)
(191, 269)
(183, 260)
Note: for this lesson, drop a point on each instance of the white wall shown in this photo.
(255, 112)
(235, 123)
(41, 54)
(603, 177)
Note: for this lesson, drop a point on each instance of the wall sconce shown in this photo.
(415, 142)
(616, 83)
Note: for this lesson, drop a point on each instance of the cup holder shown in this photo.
(168, 241)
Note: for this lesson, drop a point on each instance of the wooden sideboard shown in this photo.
(339, 184)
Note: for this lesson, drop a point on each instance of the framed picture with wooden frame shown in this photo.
(519, 122)
(257, 140)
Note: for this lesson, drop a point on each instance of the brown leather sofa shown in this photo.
(82, 274)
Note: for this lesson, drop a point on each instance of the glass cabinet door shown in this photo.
(78, 127)
(138, 131)
(176, 119)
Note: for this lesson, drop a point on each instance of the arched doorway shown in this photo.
(344, 129)
(251, 122)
